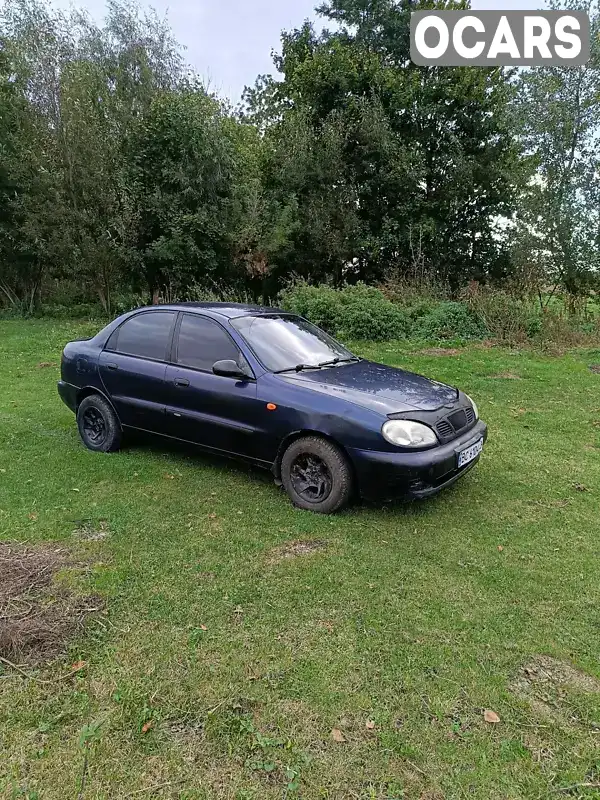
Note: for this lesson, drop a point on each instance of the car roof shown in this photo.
(229, 310)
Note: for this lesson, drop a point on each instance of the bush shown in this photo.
(420, 308)
(450, 320)
(354, 312)
(365, 313)
(319, 304)
(91, 311)
(505, 317)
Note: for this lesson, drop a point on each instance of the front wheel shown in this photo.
(98, 425)
(317, 475)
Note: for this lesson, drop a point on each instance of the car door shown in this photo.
(133, 365)
(211, 410)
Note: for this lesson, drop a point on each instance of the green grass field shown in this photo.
(222, 669)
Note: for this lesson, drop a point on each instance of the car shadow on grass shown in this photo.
(184, 453)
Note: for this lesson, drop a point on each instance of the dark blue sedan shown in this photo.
(271, 388)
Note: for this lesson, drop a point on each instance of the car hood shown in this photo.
(378, 387)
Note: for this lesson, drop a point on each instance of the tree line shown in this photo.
(121, 174)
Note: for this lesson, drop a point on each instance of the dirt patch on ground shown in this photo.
(507, 376)
(298, 547)
(87, 531)
(544, 683)
(595, 368)
(439, 351)
(37, 616)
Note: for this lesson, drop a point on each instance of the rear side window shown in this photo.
(145, 335)
(202, 342)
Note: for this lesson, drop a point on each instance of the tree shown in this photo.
(558, 118)
(79, 90)
(182, 176)
(379, 153)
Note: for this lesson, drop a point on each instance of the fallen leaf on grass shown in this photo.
(491, 716)
(78, 666)
(203, 628)
(337, 735)
(500, 548)
(147, 726)
(32, 516)
(370, 725)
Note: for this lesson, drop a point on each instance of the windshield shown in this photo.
(287, 343)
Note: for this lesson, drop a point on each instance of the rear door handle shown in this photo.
(112, 366)
(181, 382)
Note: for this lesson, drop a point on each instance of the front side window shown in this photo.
(146, 335)
(202, 342)
(287, 342)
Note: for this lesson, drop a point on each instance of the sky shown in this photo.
(229, 42)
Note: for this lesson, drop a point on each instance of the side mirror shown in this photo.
(229, 369)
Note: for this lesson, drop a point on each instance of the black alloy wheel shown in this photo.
(94, 426)
(311, 478)
(99, 426)
(317, 475)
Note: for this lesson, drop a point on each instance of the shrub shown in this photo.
(354, 312)
(420, 308)
(450, 320)
(319, 304)
(505, 317)
(366, 314)
(91, 311)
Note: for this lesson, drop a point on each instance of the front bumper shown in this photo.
(416, 475)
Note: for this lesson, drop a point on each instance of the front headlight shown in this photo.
(406, 433)
(474, 404)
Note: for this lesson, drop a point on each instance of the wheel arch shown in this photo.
(300, 434)
(88, 391)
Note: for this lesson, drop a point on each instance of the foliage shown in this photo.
(182, 224)
(558, 117)
(385, 174)
(120, 174)
(450, 320)
(505, 317)
(354, 312)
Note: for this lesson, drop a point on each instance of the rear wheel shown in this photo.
(316, 475)
(98, 425)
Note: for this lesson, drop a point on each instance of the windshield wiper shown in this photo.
(300, 367)
(297, 368)
(336, 360)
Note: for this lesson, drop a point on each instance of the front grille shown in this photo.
(458, 420)
(445, 430)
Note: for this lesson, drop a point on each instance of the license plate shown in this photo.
(470, 453)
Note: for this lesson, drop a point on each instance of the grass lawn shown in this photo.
(223, 669)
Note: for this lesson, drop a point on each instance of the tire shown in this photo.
(322, 469)
(99, 427)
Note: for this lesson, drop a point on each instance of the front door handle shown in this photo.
(181, 382)
(112, 366)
